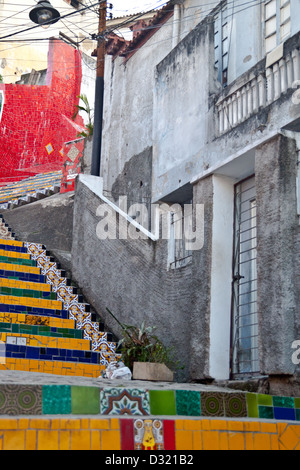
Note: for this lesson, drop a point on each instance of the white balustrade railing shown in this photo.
(245, 100)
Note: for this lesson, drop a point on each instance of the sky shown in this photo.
(124, 7)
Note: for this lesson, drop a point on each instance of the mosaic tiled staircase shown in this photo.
(29, 190)
(44, 324)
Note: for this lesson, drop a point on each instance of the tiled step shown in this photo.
(78, 369)
(44, 324)
(37, 320)
(45, 341)
(43, 330)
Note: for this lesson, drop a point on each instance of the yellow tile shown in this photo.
(110, 440)
(235, 426)
(179, 424)
(274, 442)
(218, 424)
(249, 442)
(23, 423)
(66, 423)
(210, 440)
(80, 440)
(55, 423)
(206, 424)
(85, 423)
(262, 441)
(184, 440)
(64, 440)
(236, 441)
(288, 438)
(197, 440)
(192, 424)
(40, 423)
(252, 426)
(114, 423)
(47, 440)
(223, 436)
(95, 440)
(14, 440)
(268, 427)
(9, 423)
(99, 423)
(31, 436)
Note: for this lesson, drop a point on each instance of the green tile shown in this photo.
(283, 402)
(266, 412)
(297, 402)
(56, 399)
(264, 399)
(252, 405)
(297, 414)
(162, 402)
(188, 403)
(85, 400)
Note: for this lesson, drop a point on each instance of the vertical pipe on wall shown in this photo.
(99, 93)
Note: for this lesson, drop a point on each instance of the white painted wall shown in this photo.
(221, 275)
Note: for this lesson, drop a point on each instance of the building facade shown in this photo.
(202, 113)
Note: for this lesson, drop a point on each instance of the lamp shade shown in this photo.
(44, 13)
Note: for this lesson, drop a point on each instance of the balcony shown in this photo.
(261, 86)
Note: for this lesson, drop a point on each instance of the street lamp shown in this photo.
(44, 14)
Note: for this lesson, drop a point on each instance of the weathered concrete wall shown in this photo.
(49, 222)
(128, 104)
(278, 273)
(130, 277)
(182, 116)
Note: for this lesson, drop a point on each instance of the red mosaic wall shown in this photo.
(37, 120)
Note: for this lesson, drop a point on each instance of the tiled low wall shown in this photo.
(138, 402)
(148, 434)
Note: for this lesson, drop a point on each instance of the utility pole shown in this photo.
(99, 92)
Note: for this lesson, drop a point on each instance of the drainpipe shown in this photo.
(99, 93)
(176, 24)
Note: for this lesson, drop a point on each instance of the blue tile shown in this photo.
(284, 413)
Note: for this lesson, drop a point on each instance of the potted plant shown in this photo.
(145, 354)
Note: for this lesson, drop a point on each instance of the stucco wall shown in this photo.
(278, 281)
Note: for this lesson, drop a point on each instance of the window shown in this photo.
(180, 220)
(245, 358)
(277, 17)
(221, 44)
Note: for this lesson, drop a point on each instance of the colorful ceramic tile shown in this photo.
(162, 402)
(266, 412)
(118, 401)
(252, 405)
(148, 434)
(235, 405)
(20, 399)
(297, 412)
(297, 402)
(188, 403)
(265, 400)
(283, 402)
(56, 399)
(85, 400)
(127, 434)
(212, 404)
(284, 413)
